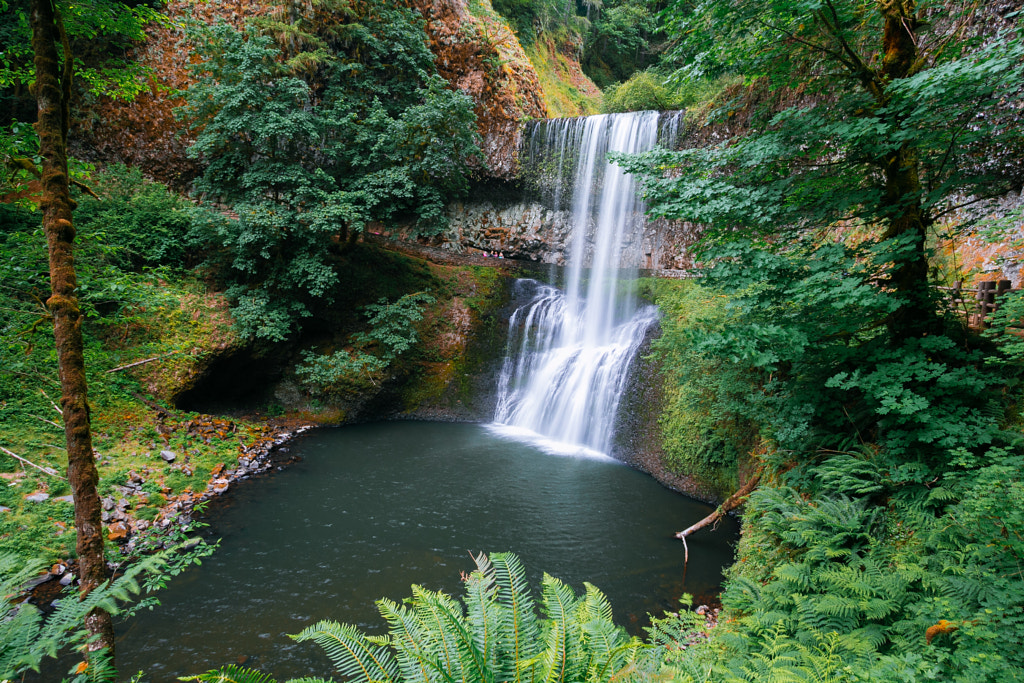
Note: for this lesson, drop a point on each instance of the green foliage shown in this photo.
(881, 545)
(373, 134)
(831, 376)
(611, 40)
(26, 637)
(392, 332)
(392, 325)
(100, 33)
(818, 163)
(619, 41)
(19, 152)
(559, 19)
(657, 89)
(130, 316)
(492, 634)
(644, 90)
(138, 223)
(1005, 329)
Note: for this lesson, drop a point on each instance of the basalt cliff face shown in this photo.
(481, 56)
(474, 50)
(531, 231)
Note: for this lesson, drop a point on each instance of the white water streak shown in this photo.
(569, 353)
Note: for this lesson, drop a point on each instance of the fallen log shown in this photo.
(48, 470)
(731, 503)
(142, 362)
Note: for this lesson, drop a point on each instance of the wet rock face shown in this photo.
(525, 230)
(980, 255)
(480, 56)
(145, 132)
(528, 230)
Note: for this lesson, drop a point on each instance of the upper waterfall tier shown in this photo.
(569, 351)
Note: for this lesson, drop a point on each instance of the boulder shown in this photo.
(117, 531)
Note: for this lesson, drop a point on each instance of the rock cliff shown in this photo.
(529, 230)
(474, 49)
(480, 55)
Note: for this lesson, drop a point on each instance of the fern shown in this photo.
(351, 652)
(492, 635)
(25, 638)
(231, 674)
(521, 621)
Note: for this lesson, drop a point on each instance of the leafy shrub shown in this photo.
(373, 133)
(392, 332)
(135, 222)
(644, 90)
(654, 89)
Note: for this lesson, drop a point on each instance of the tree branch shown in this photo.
(806, 43)
(860, 67)
(142, 362)
(48, 470)
(731, 503)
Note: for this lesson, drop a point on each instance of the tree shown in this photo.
(899, 102)
(53, 68)
(53, 93)
(27, 636)
(309, 149)
(864, 126)
(862, 129)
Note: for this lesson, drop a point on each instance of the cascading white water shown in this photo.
(569, 351)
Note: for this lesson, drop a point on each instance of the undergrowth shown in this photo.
(562, 98)
(140, 304)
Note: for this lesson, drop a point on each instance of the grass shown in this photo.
(172, 319)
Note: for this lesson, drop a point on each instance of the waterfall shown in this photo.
(569, 350)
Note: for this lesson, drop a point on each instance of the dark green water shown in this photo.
(372, 509)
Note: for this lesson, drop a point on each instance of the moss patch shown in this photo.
(567, 91)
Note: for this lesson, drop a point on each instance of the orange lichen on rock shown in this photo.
(117, 531)
(481, 56)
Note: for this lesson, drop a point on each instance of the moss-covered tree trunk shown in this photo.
(906, 219)
(52, 89)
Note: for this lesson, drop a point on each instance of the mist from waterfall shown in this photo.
(569, 350)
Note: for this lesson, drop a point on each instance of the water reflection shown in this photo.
(372, 509)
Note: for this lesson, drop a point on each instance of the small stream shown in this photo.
(371, 509)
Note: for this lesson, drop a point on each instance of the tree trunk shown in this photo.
(909, 277)
(730, 504)
(52, 89)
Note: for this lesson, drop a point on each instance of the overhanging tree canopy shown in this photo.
(868, 124)
(901, 111)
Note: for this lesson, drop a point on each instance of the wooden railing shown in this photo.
(977, 302)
